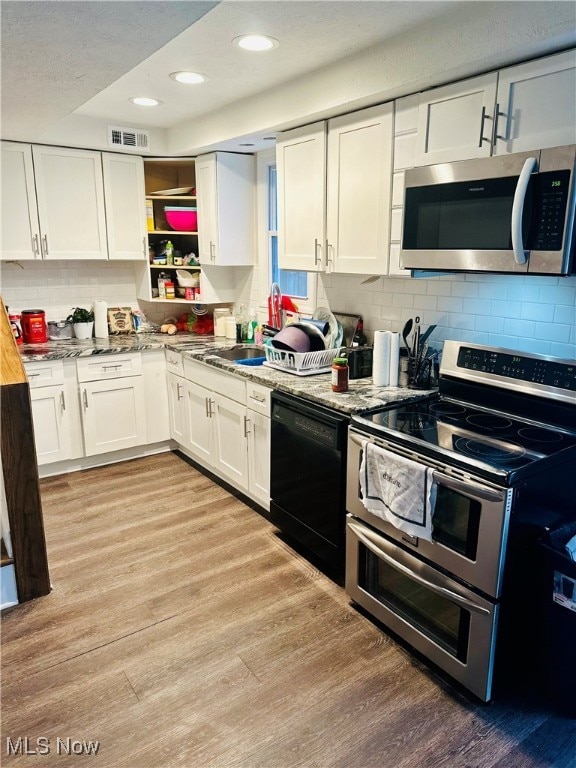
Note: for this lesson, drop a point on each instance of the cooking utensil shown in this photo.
(416, 338)
(426, 335)
(325, 315)
(406, 332)
(275, 318)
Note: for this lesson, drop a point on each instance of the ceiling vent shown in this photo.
(135, 140)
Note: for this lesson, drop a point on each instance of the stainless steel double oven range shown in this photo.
(500, 436)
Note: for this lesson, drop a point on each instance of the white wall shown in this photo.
(528, 313)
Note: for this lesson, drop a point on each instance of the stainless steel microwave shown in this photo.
(512, 213)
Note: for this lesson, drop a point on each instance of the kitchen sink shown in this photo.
(239, 353)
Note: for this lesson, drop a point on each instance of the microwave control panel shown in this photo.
(552, 196)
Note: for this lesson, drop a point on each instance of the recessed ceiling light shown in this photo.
(190, 78)
(256, 42)
(144, 101)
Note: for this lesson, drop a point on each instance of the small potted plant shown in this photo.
(82, 321)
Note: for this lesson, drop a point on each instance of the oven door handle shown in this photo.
(435, 586)
(467, 488)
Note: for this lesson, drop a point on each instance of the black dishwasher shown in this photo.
(308, 475)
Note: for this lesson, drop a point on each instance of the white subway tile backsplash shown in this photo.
(552, 332)
(490, 324)
(450, 304)
(533, 311)
(505, 308)
(565, 314)
(491, 290)
(557, 294)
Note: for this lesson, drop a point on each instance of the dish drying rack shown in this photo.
(301, 363)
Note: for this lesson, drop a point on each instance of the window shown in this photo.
(292, 283)
(301, 286)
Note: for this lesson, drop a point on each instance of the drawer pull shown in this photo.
(32, 375)
(258, 399)
(105, 367)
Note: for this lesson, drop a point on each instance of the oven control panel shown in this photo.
(549, 372)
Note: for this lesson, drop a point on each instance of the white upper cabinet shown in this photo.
(456, 121)
(20, 228)
(537, 105)
(70, 198)
(226, 194)
(301, 174)
(529, 106)
(358, 190)
(125, 206)
(334, 185)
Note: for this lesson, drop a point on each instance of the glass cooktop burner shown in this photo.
(498, 440)
(487, 451)
(488, 421)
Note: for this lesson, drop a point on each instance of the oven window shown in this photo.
(456, 522)
(435, 616)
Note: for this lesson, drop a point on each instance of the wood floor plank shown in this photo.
(182, 631)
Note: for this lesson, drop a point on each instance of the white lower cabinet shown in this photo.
(259, 457)
(55, 412)
(51, 424)
(226, 426)
(230, 440)
(177, 408)
(113, 415)
(199, 428)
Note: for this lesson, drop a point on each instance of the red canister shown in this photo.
(34, 327)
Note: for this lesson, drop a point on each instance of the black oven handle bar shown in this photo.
(468, 487)
(374, 543)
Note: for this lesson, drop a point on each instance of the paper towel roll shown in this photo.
(100, 319)
(381, 361)
(394, 358)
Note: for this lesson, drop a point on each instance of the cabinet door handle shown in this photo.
(329, 248)
(144, 249)
(85, 398)
(246, 426)
(45, 245)
(496, 135)
(212, 251)
(62, 401)
(482, 121)
(317, 256)
(178, 388)
(35, 246)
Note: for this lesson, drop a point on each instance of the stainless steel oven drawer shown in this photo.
(477, 555)
(451, 625)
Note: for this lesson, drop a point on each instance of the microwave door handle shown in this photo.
(518, 209)
(434, 586)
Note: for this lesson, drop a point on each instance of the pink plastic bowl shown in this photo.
(181, 219)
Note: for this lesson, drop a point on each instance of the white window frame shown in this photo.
(264, 160)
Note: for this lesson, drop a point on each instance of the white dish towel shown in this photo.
(398, 490)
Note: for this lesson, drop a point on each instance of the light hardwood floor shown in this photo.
(181, 631)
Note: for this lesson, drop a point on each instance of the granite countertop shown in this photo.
(361, 396)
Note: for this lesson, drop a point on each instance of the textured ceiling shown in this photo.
(88, 57)
(58, 55)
